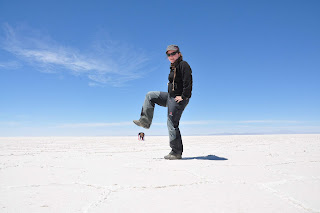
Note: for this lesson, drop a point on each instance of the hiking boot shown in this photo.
(172, 156)
(139, 123)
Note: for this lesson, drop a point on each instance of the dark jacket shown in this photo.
(182, 80)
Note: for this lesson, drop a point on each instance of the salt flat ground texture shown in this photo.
(266, 173)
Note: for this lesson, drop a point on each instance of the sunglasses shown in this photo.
(172, 54)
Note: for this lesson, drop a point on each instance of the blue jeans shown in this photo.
(175, 111)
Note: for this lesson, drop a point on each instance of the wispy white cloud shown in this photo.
(28, 128)
(86, 125)
(10, 123)
(9, 65)
(108, 62)
(248, 122)
(188, 123)
(185, 123)
(268, 121)
(125, 123)
(199, 122)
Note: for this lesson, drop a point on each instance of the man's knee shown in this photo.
(152, 94)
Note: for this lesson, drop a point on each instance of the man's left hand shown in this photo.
(178, 99)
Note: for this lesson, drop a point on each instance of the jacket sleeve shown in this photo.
(187, 80)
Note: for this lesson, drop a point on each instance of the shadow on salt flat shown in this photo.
(208, 157)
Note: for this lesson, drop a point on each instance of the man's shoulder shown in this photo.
(184, 64)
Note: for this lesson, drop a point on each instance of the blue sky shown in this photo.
(82, 68)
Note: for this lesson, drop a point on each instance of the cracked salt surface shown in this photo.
(267, 173)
